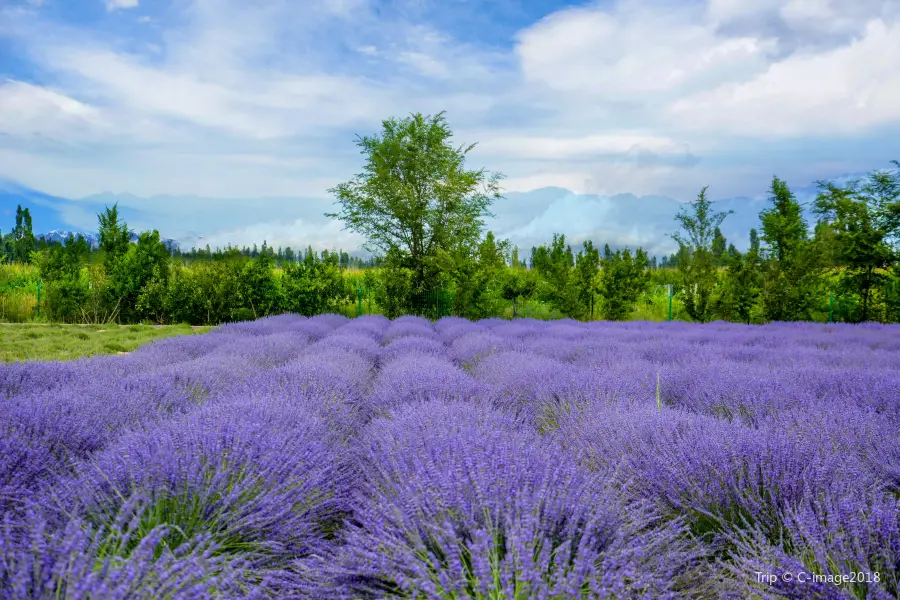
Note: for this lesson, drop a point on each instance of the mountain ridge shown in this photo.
(60, 235)
(527, 219)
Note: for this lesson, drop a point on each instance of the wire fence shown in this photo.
(432, 304)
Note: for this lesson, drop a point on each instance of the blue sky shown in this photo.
(228, 119)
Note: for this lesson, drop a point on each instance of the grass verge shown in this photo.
(49, 341)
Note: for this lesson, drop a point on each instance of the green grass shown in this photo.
(42, 341)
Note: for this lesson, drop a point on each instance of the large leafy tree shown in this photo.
(696, 258)
(415, 195)
(863, 218)
(790, 274)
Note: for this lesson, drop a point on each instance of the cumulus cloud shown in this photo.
(728, 69)
(842, 91)
(633, 51)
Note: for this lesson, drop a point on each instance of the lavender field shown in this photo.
(367, 458)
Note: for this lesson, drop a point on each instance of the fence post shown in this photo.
(39, 300)
(437, 313)
(669, 288)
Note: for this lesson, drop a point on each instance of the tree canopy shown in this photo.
(415, 195)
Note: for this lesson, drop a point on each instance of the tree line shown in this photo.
(422, 211)
(279, 255)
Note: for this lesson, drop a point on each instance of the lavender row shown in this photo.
(368, 458)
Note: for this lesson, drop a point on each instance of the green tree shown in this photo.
(177, 299)
(6, 251)
(313, 285)
(515, 284)
(743, 282)
(220, 286)
(555, 266)
(415, 195)
(475, 276)
(719, 247)
(790, 273)
(754, 240)
(23, 242)
(395, 283)
(784, 228)
(864, 221)
(259, 290)
(60, 266)
(696, 261)
(587, 266)
(144, 261)
(514, 261)
(114, 236)
(623, 278)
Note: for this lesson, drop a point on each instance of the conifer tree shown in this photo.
(790, 274)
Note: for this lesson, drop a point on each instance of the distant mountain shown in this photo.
(527, 219)
(60, 235)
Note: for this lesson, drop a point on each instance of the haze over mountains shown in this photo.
(526, 218)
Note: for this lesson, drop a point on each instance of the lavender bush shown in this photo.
(326, 457)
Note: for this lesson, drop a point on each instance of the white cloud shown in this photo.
(298, 234)
(237, 99)
(822, 16)
(846, 90)
(28, 110)
(426, 65)
(556, 148)
(723, 11)
(112, 5)
(829, 68)
(635, 51)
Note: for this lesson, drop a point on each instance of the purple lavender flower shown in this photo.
(329, 457)
(261, 485)
(420, 378)
(456, 501)
(401, 346)
(82, 561)
(471, 347)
